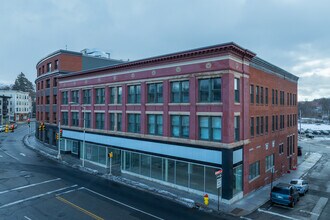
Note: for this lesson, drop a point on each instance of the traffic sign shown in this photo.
(219, 172)
(219, 183)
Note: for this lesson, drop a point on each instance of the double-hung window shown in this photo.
(252, 126)
(257, 94)
(65, 98)
(65, 118)
(112, 121)
(99, 120)
(87, 118)
(155, 124)
(112, 95)
(209, 90)
(251, 94)
(269, 162)
(236, 88)
(100, 96)
(210, 128)
(134, 123)
(180, 92)
(75, 119)
(87, 96)
(134, 94)
(119, 121)
(180, 126)
(236, 128)
(115, 95)
(254, 170)
(155, 93)
(75, 96)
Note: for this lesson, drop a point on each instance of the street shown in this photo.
(314, 205)
(33, 187)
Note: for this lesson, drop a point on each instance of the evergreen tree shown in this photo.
(24, 85)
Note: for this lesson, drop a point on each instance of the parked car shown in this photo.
(301, 185)
(2, 128)
(325, 132)
(316, 132)
(310, 135)
(309, 130)
(284, 194)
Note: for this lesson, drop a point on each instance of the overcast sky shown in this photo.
(292, 34)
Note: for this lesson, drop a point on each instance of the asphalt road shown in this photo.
(315, 204)
(33, 187)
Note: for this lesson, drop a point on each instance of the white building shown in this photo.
(19, 105)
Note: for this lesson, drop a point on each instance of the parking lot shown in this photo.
(315, 204)
(309, 207)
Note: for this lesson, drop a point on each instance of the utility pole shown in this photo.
(300, 121)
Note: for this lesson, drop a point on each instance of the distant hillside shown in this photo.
(318, 108)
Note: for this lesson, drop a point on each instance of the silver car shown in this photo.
(301, 185)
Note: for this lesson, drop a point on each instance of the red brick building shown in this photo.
(48, 70)
(178, 118)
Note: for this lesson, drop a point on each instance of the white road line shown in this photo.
(34, 184)
(66, 192)
(328, 147)
(123, 204)
(274, 213)
(241, 217)
(22, 154)
(318, 208)
(9, 155)
(1, 156)
(36, 196)
(27, 218)
(311, 213)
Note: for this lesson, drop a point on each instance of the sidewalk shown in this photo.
(242, 207)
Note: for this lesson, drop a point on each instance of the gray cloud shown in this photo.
(289, 33)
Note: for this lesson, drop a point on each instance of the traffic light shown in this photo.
(39, 127)
(43, 126)
(56, 136)
(61, 131)
(12, 128)
(6, 129)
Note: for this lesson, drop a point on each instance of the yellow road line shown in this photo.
(79, 208)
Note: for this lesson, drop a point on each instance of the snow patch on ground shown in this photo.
(314, 126)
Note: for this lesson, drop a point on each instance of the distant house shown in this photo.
(17, 104)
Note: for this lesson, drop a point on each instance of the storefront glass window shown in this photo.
(145, 165)
(238, 180)
(210, 180)
(156, 168)
(135, 163)
(182, 173)
(169, 170)
(197, 177)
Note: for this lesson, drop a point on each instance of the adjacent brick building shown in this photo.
(178, 118)
(48, 70)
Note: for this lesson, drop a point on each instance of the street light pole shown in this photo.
(83, 159)
(59, 139)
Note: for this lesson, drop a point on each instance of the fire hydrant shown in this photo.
(206, 199)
